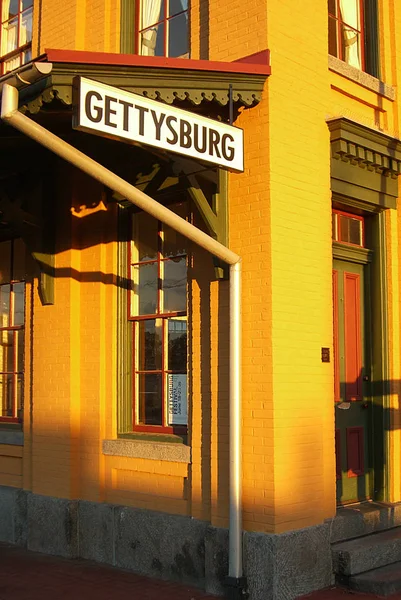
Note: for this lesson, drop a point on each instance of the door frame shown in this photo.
(376, 305)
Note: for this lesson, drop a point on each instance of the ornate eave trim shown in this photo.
(164, 84)
(359, 145)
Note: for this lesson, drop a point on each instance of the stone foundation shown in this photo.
(169, 547)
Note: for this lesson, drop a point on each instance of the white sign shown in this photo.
(177, 400)
(109, 111)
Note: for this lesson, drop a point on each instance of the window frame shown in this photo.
(14, 328)
(360, 32)
(164, 21)
(20, 50)
(370, 62)
(340, 213)
(164, 317)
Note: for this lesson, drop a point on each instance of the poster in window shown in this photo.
(177, 400)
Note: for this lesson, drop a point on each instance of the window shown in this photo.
(158, 311)
(353, 33)
(348, 228)
(163, 28)
(16, 33)
(12, 323)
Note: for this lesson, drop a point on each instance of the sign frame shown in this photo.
(111, 112)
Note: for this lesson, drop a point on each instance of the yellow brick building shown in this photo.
(114, 348)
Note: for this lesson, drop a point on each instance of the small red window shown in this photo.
(348, 228)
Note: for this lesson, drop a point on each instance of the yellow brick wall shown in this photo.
(11, 465)
(90, 25)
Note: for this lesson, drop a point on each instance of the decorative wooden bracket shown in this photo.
(215, 215)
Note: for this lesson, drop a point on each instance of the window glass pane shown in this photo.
(149, 345)
(350, 230)
(355, 232)
(26, 56)
(9, 36)
(351, 44)
(4, 305)
(5, 262)
(19, 303)
(160, 40)
(174, 243)
(174, 285)
(152, 41)
(151, 12)
(145, 238)
(177, 345)
(150, 399)
(25, 34)
(333, 46)
(11, 63)
(6, 351)
(20, 350)
(178, 36)
(177, 6)
(145, 288)
(10, 10)
(20, 397)
(26, 4)
(6, 402)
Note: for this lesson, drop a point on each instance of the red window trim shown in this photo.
(14, 373)
(360, 32)
(136, 427)
(20, 49)
(351, 216)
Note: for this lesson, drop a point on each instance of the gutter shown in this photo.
(236, 583)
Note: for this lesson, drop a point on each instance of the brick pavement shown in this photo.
(28, 575)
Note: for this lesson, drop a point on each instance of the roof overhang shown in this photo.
(194, 82)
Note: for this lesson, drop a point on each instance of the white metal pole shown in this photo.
(235, 437)
(10, 114)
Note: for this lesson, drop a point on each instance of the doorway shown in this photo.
(353, 397)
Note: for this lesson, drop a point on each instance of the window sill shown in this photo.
(148, 450)
(367, 81)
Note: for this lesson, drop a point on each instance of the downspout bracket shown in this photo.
(236, 588)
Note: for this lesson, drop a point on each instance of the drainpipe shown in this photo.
(10, 114)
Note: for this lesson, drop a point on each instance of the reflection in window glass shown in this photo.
(174, 244)
(350, 230)
(145, 288)
(175, 285)
(177, 6)
(163, 28)
(26, 27)
(178, 36)
(150, 399)
(12, 320)
(160, 344)
(4, 305)
(145, 238)
(150, 345)
(19, 303)
(177, 345)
